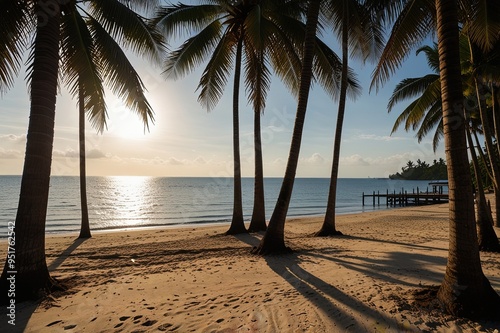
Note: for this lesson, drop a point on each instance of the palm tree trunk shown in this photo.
(488, 175)
(274, 238)
(85, 225)
(486, 236)
(328, 228)
(258, 221)
(30, 268)
(465, 291)
(237, 222)
(492, 153)
(496, 125)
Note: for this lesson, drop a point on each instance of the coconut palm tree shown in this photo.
(465, 291)
(86, 65)
(274, 238)
(24, 20)
(219, 29)
(425, 113)
(354, 24)
(268, 34)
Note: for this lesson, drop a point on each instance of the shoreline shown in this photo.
(3, 236)
(196, 279)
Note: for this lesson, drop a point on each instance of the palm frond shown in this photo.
(129, 28)
(432, 55)
(79, 70)
(141, 5)
(412, 26)
(433, 119)
(119, 74)
(257, 78)
(283, 54)
(482, 22)
(193, 51)
(15, 26)
(214, 78)
(176, 20)
(328, 70)
(411, 87)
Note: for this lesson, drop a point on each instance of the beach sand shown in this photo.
(199, 280)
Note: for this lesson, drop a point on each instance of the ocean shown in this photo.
(124, 202)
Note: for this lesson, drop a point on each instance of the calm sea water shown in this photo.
(130, 202)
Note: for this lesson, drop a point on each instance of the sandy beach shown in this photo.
(199, 280)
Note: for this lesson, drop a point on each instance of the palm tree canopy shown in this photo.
(90, 50)
(414, 20)
(269, 30)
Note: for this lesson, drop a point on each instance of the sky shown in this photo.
(186, 140)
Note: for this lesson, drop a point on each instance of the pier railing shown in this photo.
(404, 198)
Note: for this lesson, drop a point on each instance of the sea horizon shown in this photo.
(125, 202)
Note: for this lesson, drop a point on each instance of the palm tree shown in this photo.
(274, 238)
(426, 113)
(220, 27)
(486, 236)
(263, 30)
(352, 22)
(465, 291)
(86, 64)
(31, 273)
(49, 26)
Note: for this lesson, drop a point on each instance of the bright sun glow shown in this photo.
(126, 124)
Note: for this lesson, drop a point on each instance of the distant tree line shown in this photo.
(422, 171)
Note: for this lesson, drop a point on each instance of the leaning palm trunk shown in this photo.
(465, 291)
(274, 238)
(492, 152)
(85, 225)
(486, 236)
(328, 228)
(496, 124)
(258, 221)
(30, 268)
(237, 222)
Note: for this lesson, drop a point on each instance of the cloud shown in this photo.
(71, 153)
(174, 161)
(315, 158)
(354, 160)
(95, 153)
(14, 138)
(9, 154)
(200, 160)
(373, 137)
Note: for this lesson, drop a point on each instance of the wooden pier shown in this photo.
(404, 198)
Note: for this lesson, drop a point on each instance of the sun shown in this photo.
(127, 124)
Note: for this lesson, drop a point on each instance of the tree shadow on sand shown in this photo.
(335, 304)
(25, 310)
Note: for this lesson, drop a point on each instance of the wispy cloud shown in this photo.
(13, 138)
(71, 153)
(373, 137)
(10, 154)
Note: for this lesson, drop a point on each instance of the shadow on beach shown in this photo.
(25, 310)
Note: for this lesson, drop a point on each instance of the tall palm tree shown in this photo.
(265, 31)
(425, 112)
(465, 291)
(49, 26)
(219, 29)
(31, 273)
(86, 64)
(274, 238)
(353, 23)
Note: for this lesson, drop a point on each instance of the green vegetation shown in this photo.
(422, 171)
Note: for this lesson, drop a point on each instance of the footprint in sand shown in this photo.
(149, 322)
